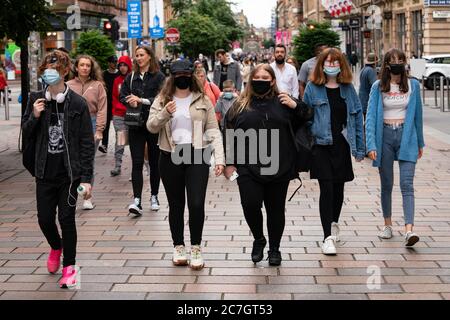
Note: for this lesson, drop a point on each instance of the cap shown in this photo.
(181, 66)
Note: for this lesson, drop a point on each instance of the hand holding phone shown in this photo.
(38, 107)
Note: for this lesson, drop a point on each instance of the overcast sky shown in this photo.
(258, 12)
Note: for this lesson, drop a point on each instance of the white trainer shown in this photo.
(87, 205)
(386, 233)
(196, 262)
(335, 231)
(329, 246)
(154, 203)
(410, 239)
(179, 256)
(135, 208)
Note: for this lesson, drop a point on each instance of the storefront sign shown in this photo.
(441, 14)
(437, 3)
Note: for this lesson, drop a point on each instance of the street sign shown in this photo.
(436, 3)
(134, 18)
(354, 23)
(172, 35)
(441, 14)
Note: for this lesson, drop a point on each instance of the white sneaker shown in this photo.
(410, 239)
(328, 246)
(154, 203)
(135, 208)
(196, 262)
(335, 231)
(386, 233)
(87, 205)
(179, 256)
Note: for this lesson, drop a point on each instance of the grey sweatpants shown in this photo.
(119, 126)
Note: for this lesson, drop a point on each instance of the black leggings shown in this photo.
(137, 139)
(176, 179)
(109, 117)
(330, 203)
(49, 195)
(253, 194)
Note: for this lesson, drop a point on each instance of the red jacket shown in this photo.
(3, 83)
(118, 109)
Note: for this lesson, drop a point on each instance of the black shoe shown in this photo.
(258, 249)
(274, 257)
(115, 172)
(103, 149)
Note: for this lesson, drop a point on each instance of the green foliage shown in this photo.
(95, 44)
(269, 43)
(308, 37)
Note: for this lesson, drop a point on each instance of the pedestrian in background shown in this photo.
(337, 129)
(367, 78)
(57, 128)
(3, 85)
(394, 131)
(137, 93)
(183, 115)
(225, 101)
(293, 62)
(286, 74)
(307, 68)
(88, 83)
(210, 89)
(226, 69)
(109, 76)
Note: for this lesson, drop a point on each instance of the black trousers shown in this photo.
(109, 117)
(138, 137)
(178, 179)
(330, 203)
(49, 196)
(273, 195)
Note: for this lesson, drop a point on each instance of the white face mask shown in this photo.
(51, 77)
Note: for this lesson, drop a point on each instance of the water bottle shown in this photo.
(81, 190)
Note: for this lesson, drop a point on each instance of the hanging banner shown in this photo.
(134, 19)
(278, 37)
(156, 15)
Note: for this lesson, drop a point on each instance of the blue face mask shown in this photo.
(51, 77)
(332, 71)
(228, 95)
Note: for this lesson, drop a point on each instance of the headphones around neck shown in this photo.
(60, 97)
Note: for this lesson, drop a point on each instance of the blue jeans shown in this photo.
(392, 138)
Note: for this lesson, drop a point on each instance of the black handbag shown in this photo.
(29, 142)
(134, 117)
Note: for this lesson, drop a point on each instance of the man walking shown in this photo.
(308, 67)
(367, 78)
(226, 70)
(285, 73)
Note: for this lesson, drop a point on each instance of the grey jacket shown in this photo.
(234, 73)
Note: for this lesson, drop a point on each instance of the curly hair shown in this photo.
(58, 59)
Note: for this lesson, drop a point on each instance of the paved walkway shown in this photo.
(127, 258)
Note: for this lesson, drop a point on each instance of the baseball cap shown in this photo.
(181, 66)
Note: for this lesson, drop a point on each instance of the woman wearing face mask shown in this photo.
(185, 120)
(337, 129)
(263, 109)
(145, 83)
(58, 125)
(394, 131)
(88, 83)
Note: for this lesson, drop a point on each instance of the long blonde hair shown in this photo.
(244, 100)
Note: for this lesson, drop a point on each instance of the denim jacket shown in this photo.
(316, 98)
(412, 136)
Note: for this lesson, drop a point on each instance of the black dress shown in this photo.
(333, 162)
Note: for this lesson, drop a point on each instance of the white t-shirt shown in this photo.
(181, 122)
(287, 80)
(395, 102)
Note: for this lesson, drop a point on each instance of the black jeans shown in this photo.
(330, 203)
(138, 137)
(273, 195)
(176, 179)
(106, 131)
(49, 196)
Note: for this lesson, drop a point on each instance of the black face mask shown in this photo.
(280, 60)
(261, 87)
(397, 69)
(183, 82)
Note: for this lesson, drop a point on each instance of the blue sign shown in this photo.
(134, 19)
(157, 33)
(437, 3)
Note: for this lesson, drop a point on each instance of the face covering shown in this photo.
(51, 77)
(332, 71)
(183, 82)
(397, 69)
(279, 60)
(228, 95)
(261, 87)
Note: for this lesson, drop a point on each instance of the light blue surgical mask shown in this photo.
(51, 77)
(332, 71)
(228, 95)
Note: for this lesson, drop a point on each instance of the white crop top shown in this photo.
(181, 121)
(395, 102)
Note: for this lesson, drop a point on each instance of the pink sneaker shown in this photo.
(54, 260)
(69, 278)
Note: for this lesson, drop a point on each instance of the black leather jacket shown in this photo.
(77, 130)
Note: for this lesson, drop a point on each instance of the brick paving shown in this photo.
(122, 257)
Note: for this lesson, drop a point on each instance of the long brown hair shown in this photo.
(96, 71)
(319, 77)
(168, 89)
(243, 101)
(385, 82)
(154, 65)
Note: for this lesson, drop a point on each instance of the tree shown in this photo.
(268, 43)
(311, 35)
(198, 34)
(96, 45)
(17, 19)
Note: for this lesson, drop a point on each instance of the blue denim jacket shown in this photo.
(316, 97)
(412, 137)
